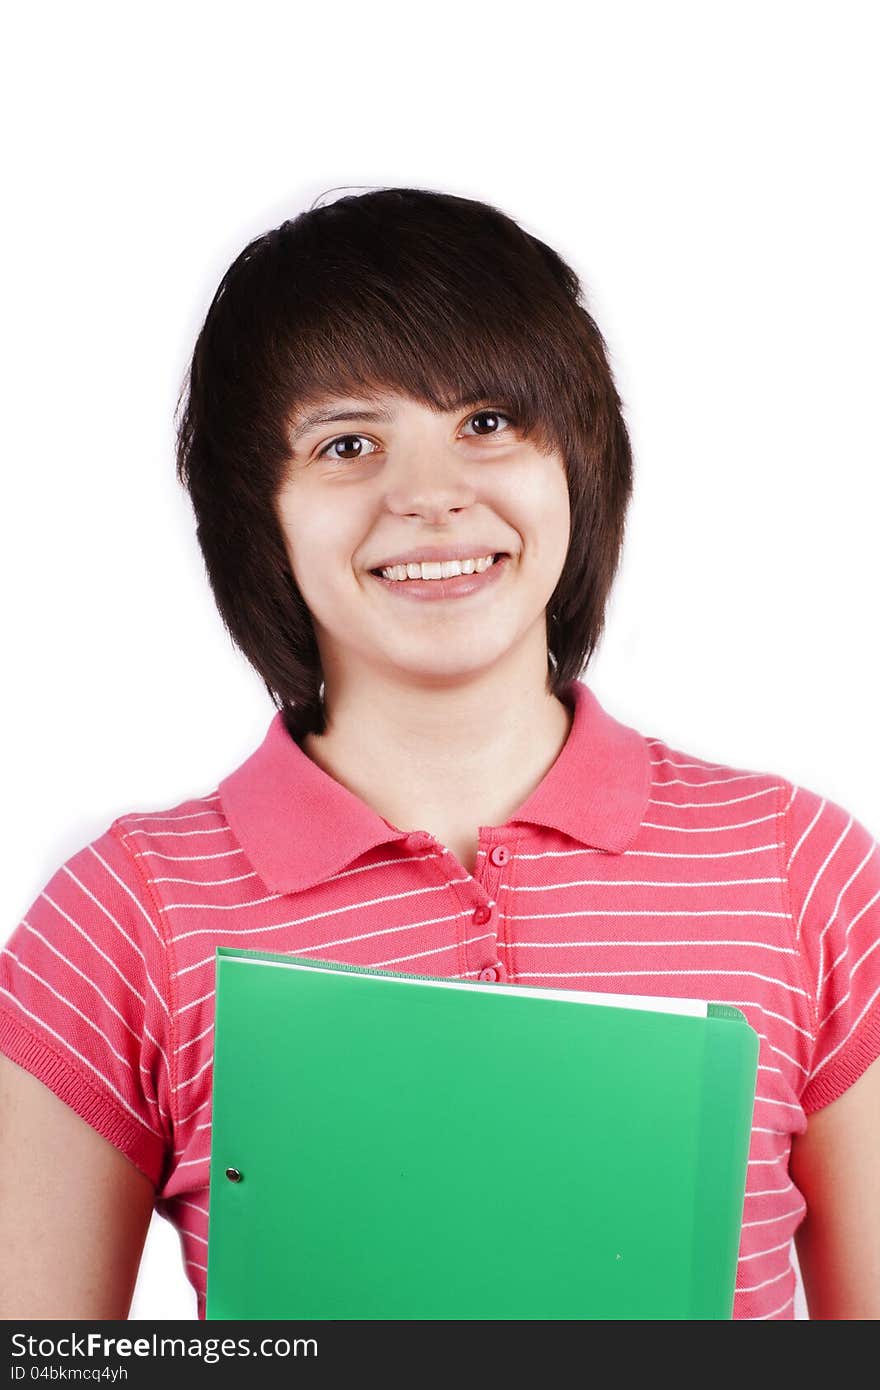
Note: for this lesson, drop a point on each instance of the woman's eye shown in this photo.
(490, 415)
(341, 439)
(347, 439)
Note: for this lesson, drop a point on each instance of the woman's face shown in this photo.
(390, 478)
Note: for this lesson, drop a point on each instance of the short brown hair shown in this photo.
(443, 298)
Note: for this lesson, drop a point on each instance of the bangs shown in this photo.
(370, 364)
(353, 302)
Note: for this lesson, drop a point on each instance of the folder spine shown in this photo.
(726, 1011)
(320, 964)
(724, 1141)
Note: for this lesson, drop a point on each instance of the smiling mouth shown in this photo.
(455, 588)
(499, 555)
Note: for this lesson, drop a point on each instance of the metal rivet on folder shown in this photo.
(233, 1174)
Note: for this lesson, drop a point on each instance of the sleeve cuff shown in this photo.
(861, 1050)
(143, 1148)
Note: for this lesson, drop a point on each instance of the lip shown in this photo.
(457, 586)
(466, 551)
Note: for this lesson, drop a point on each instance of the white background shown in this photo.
(709, 171)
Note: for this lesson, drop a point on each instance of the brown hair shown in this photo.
(443, 298)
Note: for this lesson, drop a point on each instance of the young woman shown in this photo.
(410, 473)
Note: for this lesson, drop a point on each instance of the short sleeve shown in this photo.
(84, 1000)
(833, 868)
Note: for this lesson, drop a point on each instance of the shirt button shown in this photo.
(500, 854)
(481, 915)
(489, 974)
(419, 839)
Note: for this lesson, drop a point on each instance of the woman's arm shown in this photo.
(74, 1211)
(836, 1165)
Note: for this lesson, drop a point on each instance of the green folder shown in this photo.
(390, 1146)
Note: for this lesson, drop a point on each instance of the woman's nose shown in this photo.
(430, 483)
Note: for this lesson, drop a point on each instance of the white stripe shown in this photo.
(775, 1071)
(738, 774)
(205, 882)
(205, 1158)
(651, 853)
(183, 834)
(166, 1114)
(95, 947)
(830, 855)
(753, 1288)
(64, 1000)
(197, 1038)
(844, 952)
(376, 964)
(827, 1059)
(184, 1203)
(772, 1191)
(112, 1007)
(627, 974)
(773, 1048)
(707, 829)
(193, 1003)
(855, 873)
(89, 894)
(188, 858)
(335, 912)
(873, 946)
(639, 943)
(83, 976)
(125, 888)
(738, 912)
(646, 883)
(181, 1085)
(201, 1105)
(783, 1018)
(708, 805)
(326, 945)
(771, 1100)
(144, 1071)
(804, 835)
(167, 815)
(434, 951)
(107, 1082)
(786, 1245)
(794, 1062)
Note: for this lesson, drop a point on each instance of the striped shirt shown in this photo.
(632, 867)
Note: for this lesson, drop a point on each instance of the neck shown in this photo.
(432, 758)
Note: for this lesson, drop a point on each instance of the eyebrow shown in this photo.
(325, 417)
(322, 416)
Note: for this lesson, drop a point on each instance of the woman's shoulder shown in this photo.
(185, 832)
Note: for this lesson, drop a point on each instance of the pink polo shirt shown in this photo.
(632, 867)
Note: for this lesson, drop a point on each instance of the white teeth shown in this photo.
(438, 569)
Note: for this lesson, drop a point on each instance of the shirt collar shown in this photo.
(298, 825)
